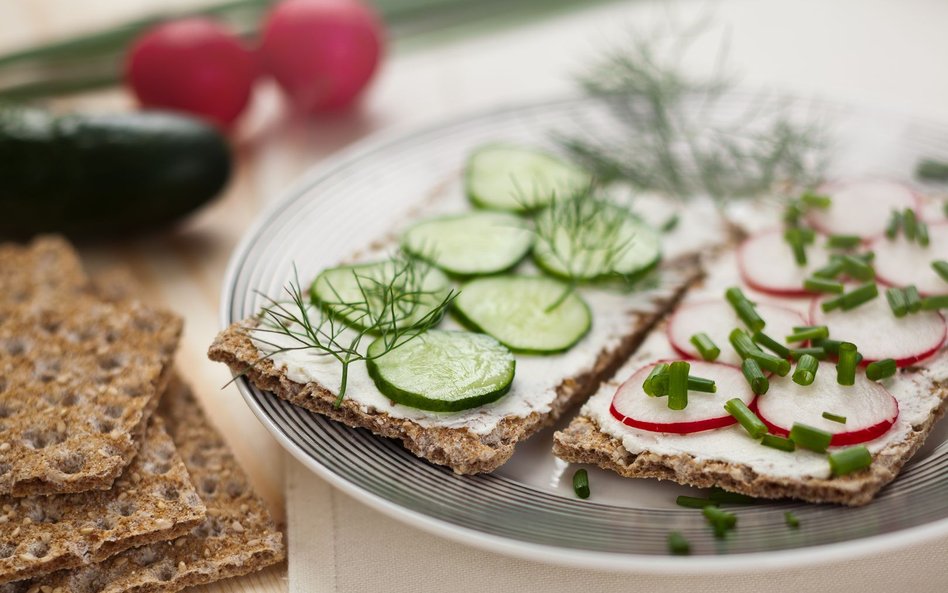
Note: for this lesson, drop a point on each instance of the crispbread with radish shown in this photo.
(901, 262)
(767, 264)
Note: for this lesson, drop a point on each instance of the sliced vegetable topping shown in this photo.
(846, 367)
(706, 347)
(744, 309)
(746, 418)
(767, 263)
(718, 319)
(881, 369)
(589, 237)
(847, 461)
(861, 208)
(516, 310)
(806, 370)
(632, 406)
(581, 483)
(362, 294)
(870, 410)
(470, 244)
(852, 299)
(517, 179)
(810, 438)
(775, 442)
(903, 263)
(880, 335)
(791, 520)
(442, 371)
(721, 521)
(755, 376)
(678, 545)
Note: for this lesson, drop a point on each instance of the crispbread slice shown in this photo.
(583, 442)
(80, 379)
(48, 269)
(465, 451)
(237, 537)
(154, 500)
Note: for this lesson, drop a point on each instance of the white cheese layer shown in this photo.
(914, 391)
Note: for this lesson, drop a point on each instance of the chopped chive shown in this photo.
(792, 213)
(758, 381)
(843, 241)
(652, 384)
(816, 284)
(775, 442)
(830, 347)
(815, 351)
(795, 238)
(834, 417)
(722, 496)
(881, 369)
(934, 303)
(849, 460)
(693, 502)
(897, 301)
(912, 299)
(831, 270)
(921, 231)
(581, 483)
(670, 224)
(813, 332)
(846, 365)
(708, 350)
(772, 363)
(678, 545)
(810, 438)
(791, 520)
(701, 384)
(909, 224)
(745, 309)
(816, 200)
(832, 304)
(742, 343)
(678, 385)
(895, 223)
(858, 296)
(746, 418)
(932, 170)
(857, 268)
(941, 268)
(721, 521)
(806, 369)
(771, 344)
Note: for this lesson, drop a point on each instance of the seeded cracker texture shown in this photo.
(583, 442)
(154, 500)
(460, 449)
(44, 271)
(237, 536)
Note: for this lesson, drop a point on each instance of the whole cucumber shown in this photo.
(104, 174)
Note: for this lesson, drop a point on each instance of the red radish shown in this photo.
(870, 410)
(717, 319)
(322, 52)
(900, 262)
(705, 411)
(878, 334)
(194, 65)
(861, 207)
(767, 264)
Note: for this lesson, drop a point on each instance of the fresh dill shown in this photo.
(394, 305)
(671, 133)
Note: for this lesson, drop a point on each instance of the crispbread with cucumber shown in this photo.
(508, 301)
(825, 343)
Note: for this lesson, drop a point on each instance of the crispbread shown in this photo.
(47, 269)
(80, 379)
(583, 442)
(237, 537)
(153, 500)
(459, 448)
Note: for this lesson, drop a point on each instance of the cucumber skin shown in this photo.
(105, 174)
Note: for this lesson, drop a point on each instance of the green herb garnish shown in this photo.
(581, 483)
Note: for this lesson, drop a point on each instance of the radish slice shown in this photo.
(717, 319)
(869, 408)
(767, 264)
(879, 334)
(900, 262)
(705, 411)
(860, 207)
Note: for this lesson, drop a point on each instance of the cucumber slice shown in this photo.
(442, 371)
(361, 294)
(513, 309)
(594, 239)
(515, 179)
(470, 244)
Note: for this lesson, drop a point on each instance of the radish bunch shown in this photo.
(322, 53)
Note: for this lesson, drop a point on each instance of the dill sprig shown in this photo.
(393, 306)
(584, 236)
(671, 135)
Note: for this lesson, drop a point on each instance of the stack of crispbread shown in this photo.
(105, 484)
